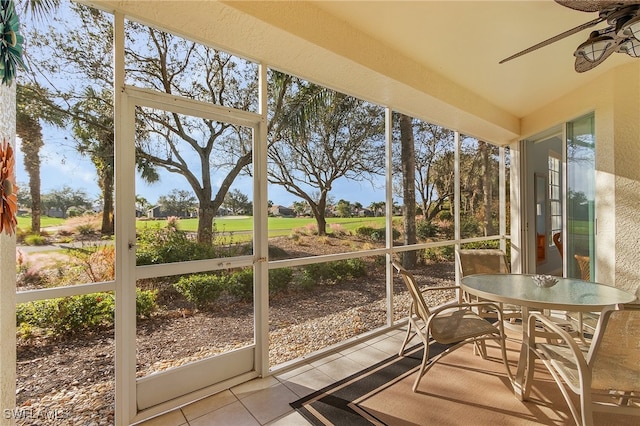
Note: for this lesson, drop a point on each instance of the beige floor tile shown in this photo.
(208, 404)
(291, 419)
(245, 389)
(389, 346)
(326, 359)
(269, 404)
(308, 382)
(172, 418)
(353, 348)
(368, 356)
(234, 414)
(294, 372)
(340, 368)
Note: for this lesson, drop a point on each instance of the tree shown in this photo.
(178, 203)
(409, 188)
(194, 148)
(29, 112)
(343, 208)
(65, 198)
(237, 202)
(377, 207)
(320, 137)
(434, 179)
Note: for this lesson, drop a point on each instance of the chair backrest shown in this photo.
(614, 355)
(558, 242)
(416, 296)
(584, 263)
(482, 261)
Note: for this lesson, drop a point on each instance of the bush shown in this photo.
(279, 280)
(168, 245)
(425, 229)
(85, 229)
(241, 285)
(35, 240)
(201, 289)
(375, 234)
(69, 315)
(145, 302)
(332, 272)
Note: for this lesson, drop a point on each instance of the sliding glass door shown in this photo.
(580, 198)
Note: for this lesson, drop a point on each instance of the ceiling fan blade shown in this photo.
(583, 65)
(588, 5)
(555, 38)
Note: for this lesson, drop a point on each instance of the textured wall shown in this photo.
(7, 276)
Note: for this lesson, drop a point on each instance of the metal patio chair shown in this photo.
(605, 374)
(452, 324)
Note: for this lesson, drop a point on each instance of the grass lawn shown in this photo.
(24, 222)
(277, 225)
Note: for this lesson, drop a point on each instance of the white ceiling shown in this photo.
(465, 40)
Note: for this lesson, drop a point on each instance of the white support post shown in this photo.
(388, 131)
(260, 235)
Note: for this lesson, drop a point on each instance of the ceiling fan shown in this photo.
(621, 35)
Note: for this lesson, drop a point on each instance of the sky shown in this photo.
(63, 166)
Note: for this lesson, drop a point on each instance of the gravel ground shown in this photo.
(71, 381)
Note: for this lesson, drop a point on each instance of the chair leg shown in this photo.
(406, 339)
(423, 367)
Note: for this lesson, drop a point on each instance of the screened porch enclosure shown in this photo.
(253, 229)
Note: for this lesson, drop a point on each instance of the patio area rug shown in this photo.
(461, 389)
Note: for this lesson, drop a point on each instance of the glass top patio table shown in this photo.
(568, 294)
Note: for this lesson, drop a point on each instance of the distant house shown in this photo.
(365, 213)
(281, 211)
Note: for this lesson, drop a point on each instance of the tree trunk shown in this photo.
(205, 223)
(408, 189)
(30, 131)
(486, 189)
(107, 208)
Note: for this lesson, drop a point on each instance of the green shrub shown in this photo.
(68, 315)
(35, 240)
(167, 245)
(364, 231)
(279, 280)
(425, 229)
(241, 285)
(201, 289)
(331, 272)
(85, 229)
(145, 302)
(375, 234)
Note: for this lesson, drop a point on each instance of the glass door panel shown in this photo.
(580, 244)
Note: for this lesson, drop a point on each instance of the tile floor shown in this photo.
(266, 401)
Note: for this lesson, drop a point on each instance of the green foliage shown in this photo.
(85, 229)
(332, 272)
(69, 315)
(241, 285)
(35, 240)
(202, 289)
(145, 302)
(375, 234)
(279, 280)
(167, 245)
(425, 229)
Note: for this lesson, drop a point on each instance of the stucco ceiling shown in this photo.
(434, 60)
(465, 40)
